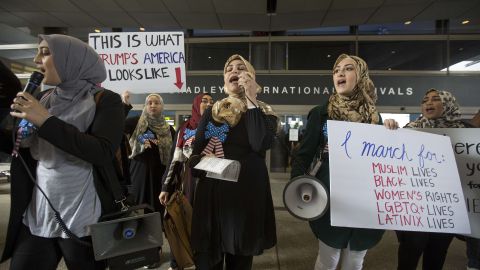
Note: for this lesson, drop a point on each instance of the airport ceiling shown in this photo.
(81, 16)
(22, 20)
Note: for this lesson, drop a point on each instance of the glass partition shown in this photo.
(465, 55)
(316, 55)
(404, 55)
(212, 56)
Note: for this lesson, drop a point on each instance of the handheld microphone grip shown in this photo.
(33, 82)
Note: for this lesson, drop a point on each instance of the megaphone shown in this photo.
(305, 197)
(128, 243)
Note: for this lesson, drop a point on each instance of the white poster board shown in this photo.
(394, 179)
(293, 135)
(142, 62)
(466, 146)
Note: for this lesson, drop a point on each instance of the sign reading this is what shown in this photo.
(142, 62)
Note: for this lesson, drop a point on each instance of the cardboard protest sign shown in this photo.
(394, 179)
(142, 62)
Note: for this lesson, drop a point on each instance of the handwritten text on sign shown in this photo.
(142, 62)
(466, 146)
(394, 179)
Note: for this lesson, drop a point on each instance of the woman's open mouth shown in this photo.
(233, 79)
(341, 82)
(430, 110)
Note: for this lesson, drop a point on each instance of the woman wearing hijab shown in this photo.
(68, 145)
(185, 139)
(234, 221)
(353, 101)
(182, 151)
(150, 141)
(439, 110)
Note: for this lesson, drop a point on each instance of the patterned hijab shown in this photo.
(229, 110)
(450, 117)
(159, 126)
(80, 68)
(476, 120)
(191, 123)
(360, 106)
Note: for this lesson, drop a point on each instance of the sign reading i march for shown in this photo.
(394, 179)
(142, 62)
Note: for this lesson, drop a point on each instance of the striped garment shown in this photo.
(215, 147)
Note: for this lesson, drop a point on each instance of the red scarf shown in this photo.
(191, 123)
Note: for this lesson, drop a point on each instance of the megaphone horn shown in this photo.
(305, 197)
(128, 243)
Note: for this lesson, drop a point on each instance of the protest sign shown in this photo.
(142, 62)
(293, 135)
(466, 146)
(394, 179)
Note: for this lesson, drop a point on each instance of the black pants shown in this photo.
(473, 252)
(433, 246)
(33, 252)
(232, 262)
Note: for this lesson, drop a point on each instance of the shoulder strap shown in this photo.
(98, 95)
(112, 182)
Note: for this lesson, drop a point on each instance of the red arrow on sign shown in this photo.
(178, 73)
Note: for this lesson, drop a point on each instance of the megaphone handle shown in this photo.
(315, 167)
(317, 161)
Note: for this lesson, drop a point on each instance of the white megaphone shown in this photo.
(305, 197)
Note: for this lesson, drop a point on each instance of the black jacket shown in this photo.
(97, 146)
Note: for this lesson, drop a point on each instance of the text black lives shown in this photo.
(150, 73)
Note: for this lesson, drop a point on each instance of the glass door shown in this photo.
(292, 127)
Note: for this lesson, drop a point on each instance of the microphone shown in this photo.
(33, 82)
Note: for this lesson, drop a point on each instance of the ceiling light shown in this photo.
(209, 57)
(407, 22)
(97, 30)
(389, 68)
(141, 29)
(328, 56)
(465, 21)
